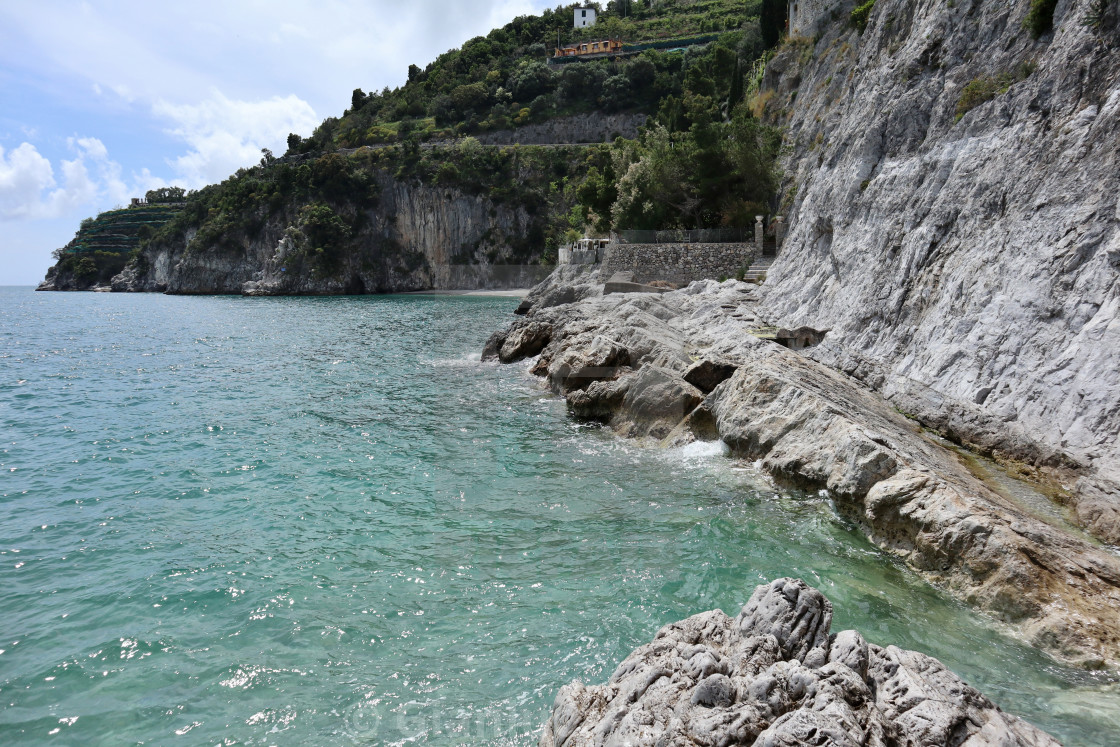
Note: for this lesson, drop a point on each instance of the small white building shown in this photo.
(585, 17)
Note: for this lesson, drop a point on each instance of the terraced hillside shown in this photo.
(103, 245)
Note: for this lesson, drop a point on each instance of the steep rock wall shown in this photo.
(416, 238)
(967, 265)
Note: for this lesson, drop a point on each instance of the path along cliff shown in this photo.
(953, 198)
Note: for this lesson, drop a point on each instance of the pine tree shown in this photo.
(736, 93)
(772, 19)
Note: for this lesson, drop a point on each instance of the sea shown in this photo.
(317, 521)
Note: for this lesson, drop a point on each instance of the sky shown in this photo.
(102, 101)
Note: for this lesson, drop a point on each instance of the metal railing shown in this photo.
(692, 236)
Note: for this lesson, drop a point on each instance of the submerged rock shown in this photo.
(776, 675)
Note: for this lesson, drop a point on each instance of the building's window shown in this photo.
(583, 14)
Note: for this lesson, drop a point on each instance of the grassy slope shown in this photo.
(497, 81)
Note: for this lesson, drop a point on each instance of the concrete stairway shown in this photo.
(757, 271)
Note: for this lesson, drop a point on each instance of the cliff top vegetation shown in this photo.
(702, 160)
(503, 80)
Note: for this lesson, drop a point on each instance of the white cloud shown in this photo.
(129, 74)
(30, 190)
(27, 184)
(225, 135)
(24, 175)
(90, 147)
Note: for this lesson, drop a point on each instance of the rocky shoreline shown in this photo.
(777, 675)
(690, 365)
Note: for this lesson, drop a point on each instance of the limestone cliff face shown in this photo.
(966, 266)
(416, 238)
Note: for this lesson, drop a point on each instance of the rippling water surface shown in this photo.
(323, 520)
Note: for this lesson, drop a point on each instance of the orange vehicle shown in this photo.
(607, 46)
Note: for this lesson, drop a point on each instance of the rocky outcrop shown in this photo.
(954, 223)
(777, 675)
(642, 364)
(415, 238)
(102, 246)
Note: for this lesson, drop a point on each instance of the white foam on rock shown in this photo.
(704, 449)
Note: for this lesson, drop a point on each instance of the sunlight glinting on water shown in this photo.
(324, 520)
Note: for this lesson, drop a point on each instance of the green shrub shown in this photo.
(980, 90)
(1094, 15)
(327, 235)
(1040, 18)
(987, 87)
(861, 14)
(85, 269)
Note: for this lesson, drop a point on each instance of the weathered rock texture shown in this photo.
(416, 238)
(966, 268)
(776, 675)
(678, 263)
(684, 365)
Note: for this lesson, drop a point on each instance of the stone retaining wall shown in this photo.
(678, 263)
(570, 256)
(579, 128)
(805, 16)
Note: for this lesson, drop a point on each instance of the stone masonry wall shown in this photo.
(805, 16)
(580, 128)
(570, 256)
(678, 263)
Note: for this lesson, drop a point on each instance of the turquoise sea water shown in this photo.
(324, 521)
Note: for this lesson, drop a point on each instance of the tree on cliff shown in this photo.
(715, 173)
(772, 19)
(166, 194)
(357, 99)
